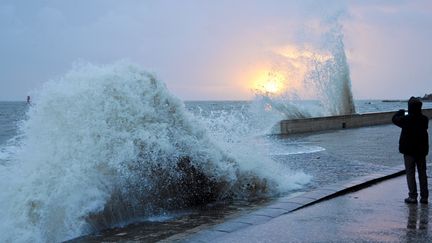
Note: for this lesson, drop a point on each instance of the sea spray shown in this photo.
(331, 78)
(317, 71)
(106, 145)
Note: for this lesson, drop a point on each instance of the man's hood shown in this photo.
(414, 105)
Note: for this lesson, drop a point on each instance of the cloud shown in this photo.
(388, 50)
(201, 49)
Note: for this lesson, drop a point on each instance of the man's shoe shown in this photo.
(410, 200)
(423, 200)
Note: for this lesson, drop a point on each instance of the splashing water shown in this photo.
(106, 145)
(310, 73)
(332, 78)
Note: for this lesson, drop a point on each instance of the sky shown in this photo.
(211, 50)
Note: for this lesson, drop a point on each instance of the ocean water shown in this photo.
(13, 112)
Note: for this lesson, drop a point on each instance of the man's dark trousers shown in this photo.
(411, 163)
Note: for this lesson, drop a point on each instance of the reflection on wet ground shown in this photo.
(157, 228)
(418, 222)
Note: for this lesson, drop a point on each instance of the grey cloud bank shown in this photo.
(202, 49)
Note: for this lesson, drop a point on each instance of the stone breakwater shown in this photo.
(338, 122)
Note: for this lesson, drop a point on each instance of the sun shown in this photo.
(271, 86)
(269, 82)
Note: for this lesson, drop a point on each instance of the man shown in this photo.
(414, 145)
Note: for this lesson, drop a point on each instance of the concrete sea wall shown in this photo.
(339, 122)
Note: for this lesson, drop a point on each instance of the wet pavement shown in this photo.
(348, 154)
(374, 214)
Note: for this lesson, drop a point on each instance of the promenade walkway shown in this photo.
(374, 214)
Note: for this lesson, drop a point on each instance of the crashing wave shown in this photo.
(106, 145)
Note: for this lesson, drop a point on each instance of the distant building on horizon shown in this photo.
(427, 97)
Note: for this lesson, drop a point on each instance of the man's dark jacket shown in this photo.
(414, 138)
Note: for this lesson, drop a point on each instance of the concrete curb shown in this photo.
(285, 205)
(360, 183)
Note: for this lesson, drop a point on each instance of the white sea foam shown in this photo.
(107, 144)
